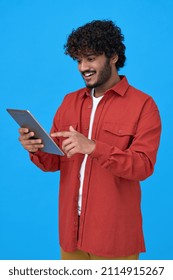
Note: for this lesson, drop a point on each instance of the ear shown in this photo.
(114, 59)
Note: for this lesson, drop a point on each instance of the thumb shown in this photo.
(71, 129)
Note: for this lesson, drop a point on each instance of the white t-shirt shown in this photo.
(96, 101)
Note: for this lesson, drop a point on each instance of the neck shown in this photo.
(100, 90)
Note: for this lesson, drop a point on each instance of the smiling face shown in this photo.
(98, 71)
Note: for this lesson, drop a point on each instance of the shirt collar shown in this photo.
(119, 88)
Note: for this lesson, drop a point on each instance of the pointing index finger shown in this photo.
(61, 134)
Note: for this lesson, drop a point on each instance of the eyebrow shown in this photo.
(90, 54)
(85, 55)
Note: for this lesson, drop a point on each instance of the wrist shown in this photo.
(93, 145)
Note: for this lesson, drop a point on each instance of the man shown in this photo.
(109, 132)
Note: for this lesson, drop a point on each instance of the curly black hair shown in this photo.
(98, 36)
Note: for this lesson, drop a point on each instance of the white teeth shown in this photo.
(88, 74)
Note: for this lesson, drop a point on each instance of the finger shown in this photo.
(66, 142)
(61, 134)
(23, 130)
(33, 148)
(32, 141)
(72, 152)
(68, 148)
(31, 145)
(71, 128)
(26, 136)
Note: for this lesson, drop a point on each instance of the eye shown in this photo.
(91, 58)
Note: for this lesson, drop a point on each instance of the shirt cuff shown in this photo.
(36, 156)
(101, 152)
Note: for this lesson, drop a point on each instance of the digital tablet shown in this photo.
(25, 119)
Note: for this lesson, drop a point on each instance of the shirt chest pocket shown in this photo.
(117, 134)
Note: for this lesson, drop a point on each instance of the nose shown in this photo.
(83, 65)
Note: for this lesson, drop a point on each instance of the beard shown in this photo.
(103, 76)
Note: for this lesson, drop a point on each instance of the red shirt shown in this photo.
(126, 130)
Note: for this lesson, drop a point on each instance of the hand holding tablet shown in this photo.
(26, 120)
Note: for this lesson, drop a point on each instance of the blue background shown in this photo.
(35, 74)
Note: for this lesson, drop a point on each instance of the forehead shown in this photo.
(87, 54)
